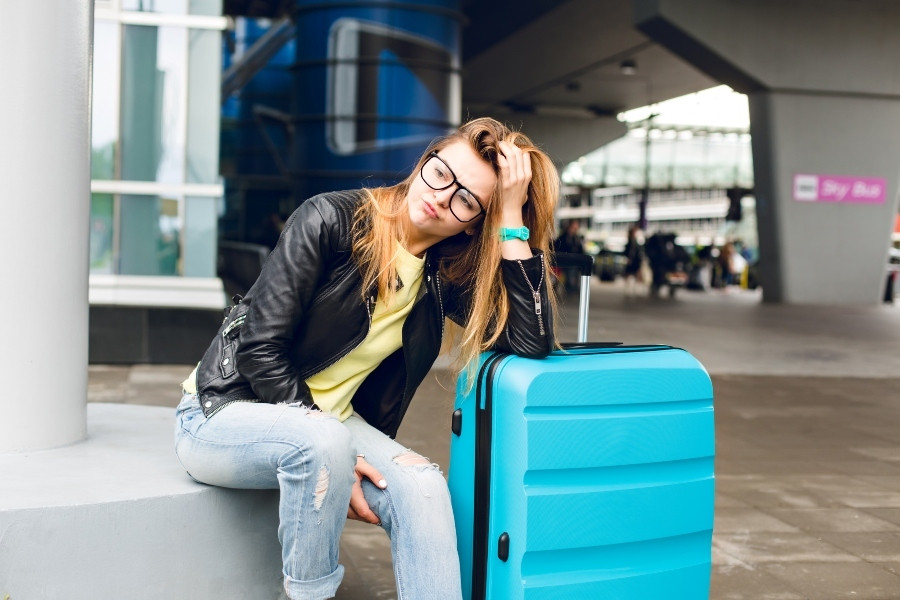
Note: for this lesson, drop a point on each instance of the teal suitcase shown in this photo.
(588, 474)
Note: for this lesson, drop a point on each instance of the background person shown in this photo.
(306, 383)
(634, 261)
(726, 264)
(570, 240)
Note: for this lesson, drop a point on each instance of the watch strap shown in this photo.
(514, 233)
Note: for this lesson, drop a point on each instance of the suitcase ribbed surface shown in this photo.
(601, 474)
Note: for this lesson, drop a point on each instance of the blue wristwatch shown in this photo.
(513, 233)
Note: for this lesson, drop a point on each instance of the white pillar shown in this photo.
(45, 62)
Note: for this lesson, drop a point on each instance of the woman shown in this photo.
(726, 265)
(306, 383)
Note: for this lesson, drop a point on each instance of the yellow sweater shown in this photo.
(333, 388)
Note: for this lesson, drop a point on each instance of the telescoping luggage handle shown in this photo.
(584, 262)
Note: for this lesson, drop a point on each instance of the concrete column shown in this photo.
(824, 87)
(45, 61)
(824, 252)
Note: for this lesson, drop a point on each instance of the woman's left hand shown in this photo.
(359, 508)
(515, 175)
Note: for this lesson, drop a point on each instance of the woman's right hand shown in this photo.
(515, 176)
(359, 509)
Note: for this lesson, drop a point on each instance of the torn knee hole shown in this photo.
(321, 487)
(411, 459)
(318, 414)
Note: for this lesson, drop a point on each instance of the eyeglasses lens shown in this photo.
(464, 206)
(438, 176)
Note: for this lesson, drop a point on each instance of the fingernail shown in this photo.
(382, 483)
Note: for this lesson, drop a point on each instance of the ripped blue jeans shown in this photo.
(310, 457)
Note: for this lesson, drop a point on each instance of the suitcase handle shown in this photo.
(585, 263)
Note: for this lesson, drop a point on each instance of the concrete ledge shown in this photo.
(116, 517)
(147, 290)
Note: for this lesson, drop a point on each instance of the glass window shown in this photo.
(161, 6)
(204, 54)
(102, 211)
(210, 8)
(105, 100)
(200, 216)
(153, 103)
(150, 236)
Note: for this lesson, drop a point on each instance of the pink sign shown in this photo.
(839, 188)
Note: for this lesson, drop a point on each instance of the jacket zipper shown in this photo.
(536, 295)
(234, 324)
(437, 282)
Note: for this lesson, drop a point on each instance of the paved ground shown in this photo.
(808, 439)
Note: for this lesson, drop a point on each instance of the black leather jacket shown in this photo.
(306, 311)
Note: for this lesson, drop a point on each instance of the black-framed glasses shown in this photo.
(438, 175)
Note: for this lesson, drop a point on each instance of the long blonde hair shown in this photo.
(471, 262)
